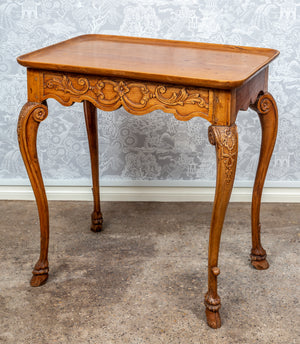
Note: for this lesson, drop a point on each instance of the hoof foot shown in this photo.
(38, 280)
(97, 221)
(213, 319)
(260, 264)
(96, 228)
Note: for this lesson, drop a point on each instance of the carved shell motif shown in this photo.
(136, 97)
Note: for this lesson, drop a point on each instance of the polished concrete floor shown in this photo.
(143, 279)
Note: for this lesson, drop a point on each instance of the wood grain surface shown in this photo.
(179, 62)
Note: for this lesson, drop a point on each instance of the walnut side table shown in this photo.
(183, 78)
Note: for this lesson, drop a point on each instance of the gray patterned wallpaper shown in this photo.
(154, 149)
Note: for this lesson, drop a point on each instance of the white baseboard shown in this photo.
(149, 193)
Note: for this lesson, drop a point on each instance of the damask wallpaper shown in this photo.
(154, 149)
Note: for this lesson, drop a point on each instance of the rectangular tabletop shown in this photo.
(178, 62)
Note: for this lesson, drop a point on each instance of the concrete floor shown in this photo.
(143, 279)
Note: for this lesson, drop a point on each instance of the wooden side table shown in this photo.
(183, 78)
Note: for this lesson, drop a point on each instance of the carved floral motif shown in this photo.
(179, 98)
(39, 114)
(225, 138)
(64, 84)
(137, 97)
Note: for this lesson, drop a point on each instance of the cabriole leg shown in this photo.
(226, 141)
(266, 108)
(90, 113)
(30, 117)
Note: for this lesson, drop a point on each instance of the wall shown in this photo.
(154, 149)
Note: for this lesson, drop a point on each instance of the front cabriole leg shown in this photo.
(30, 117)
(266, 108)
(225, 138)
